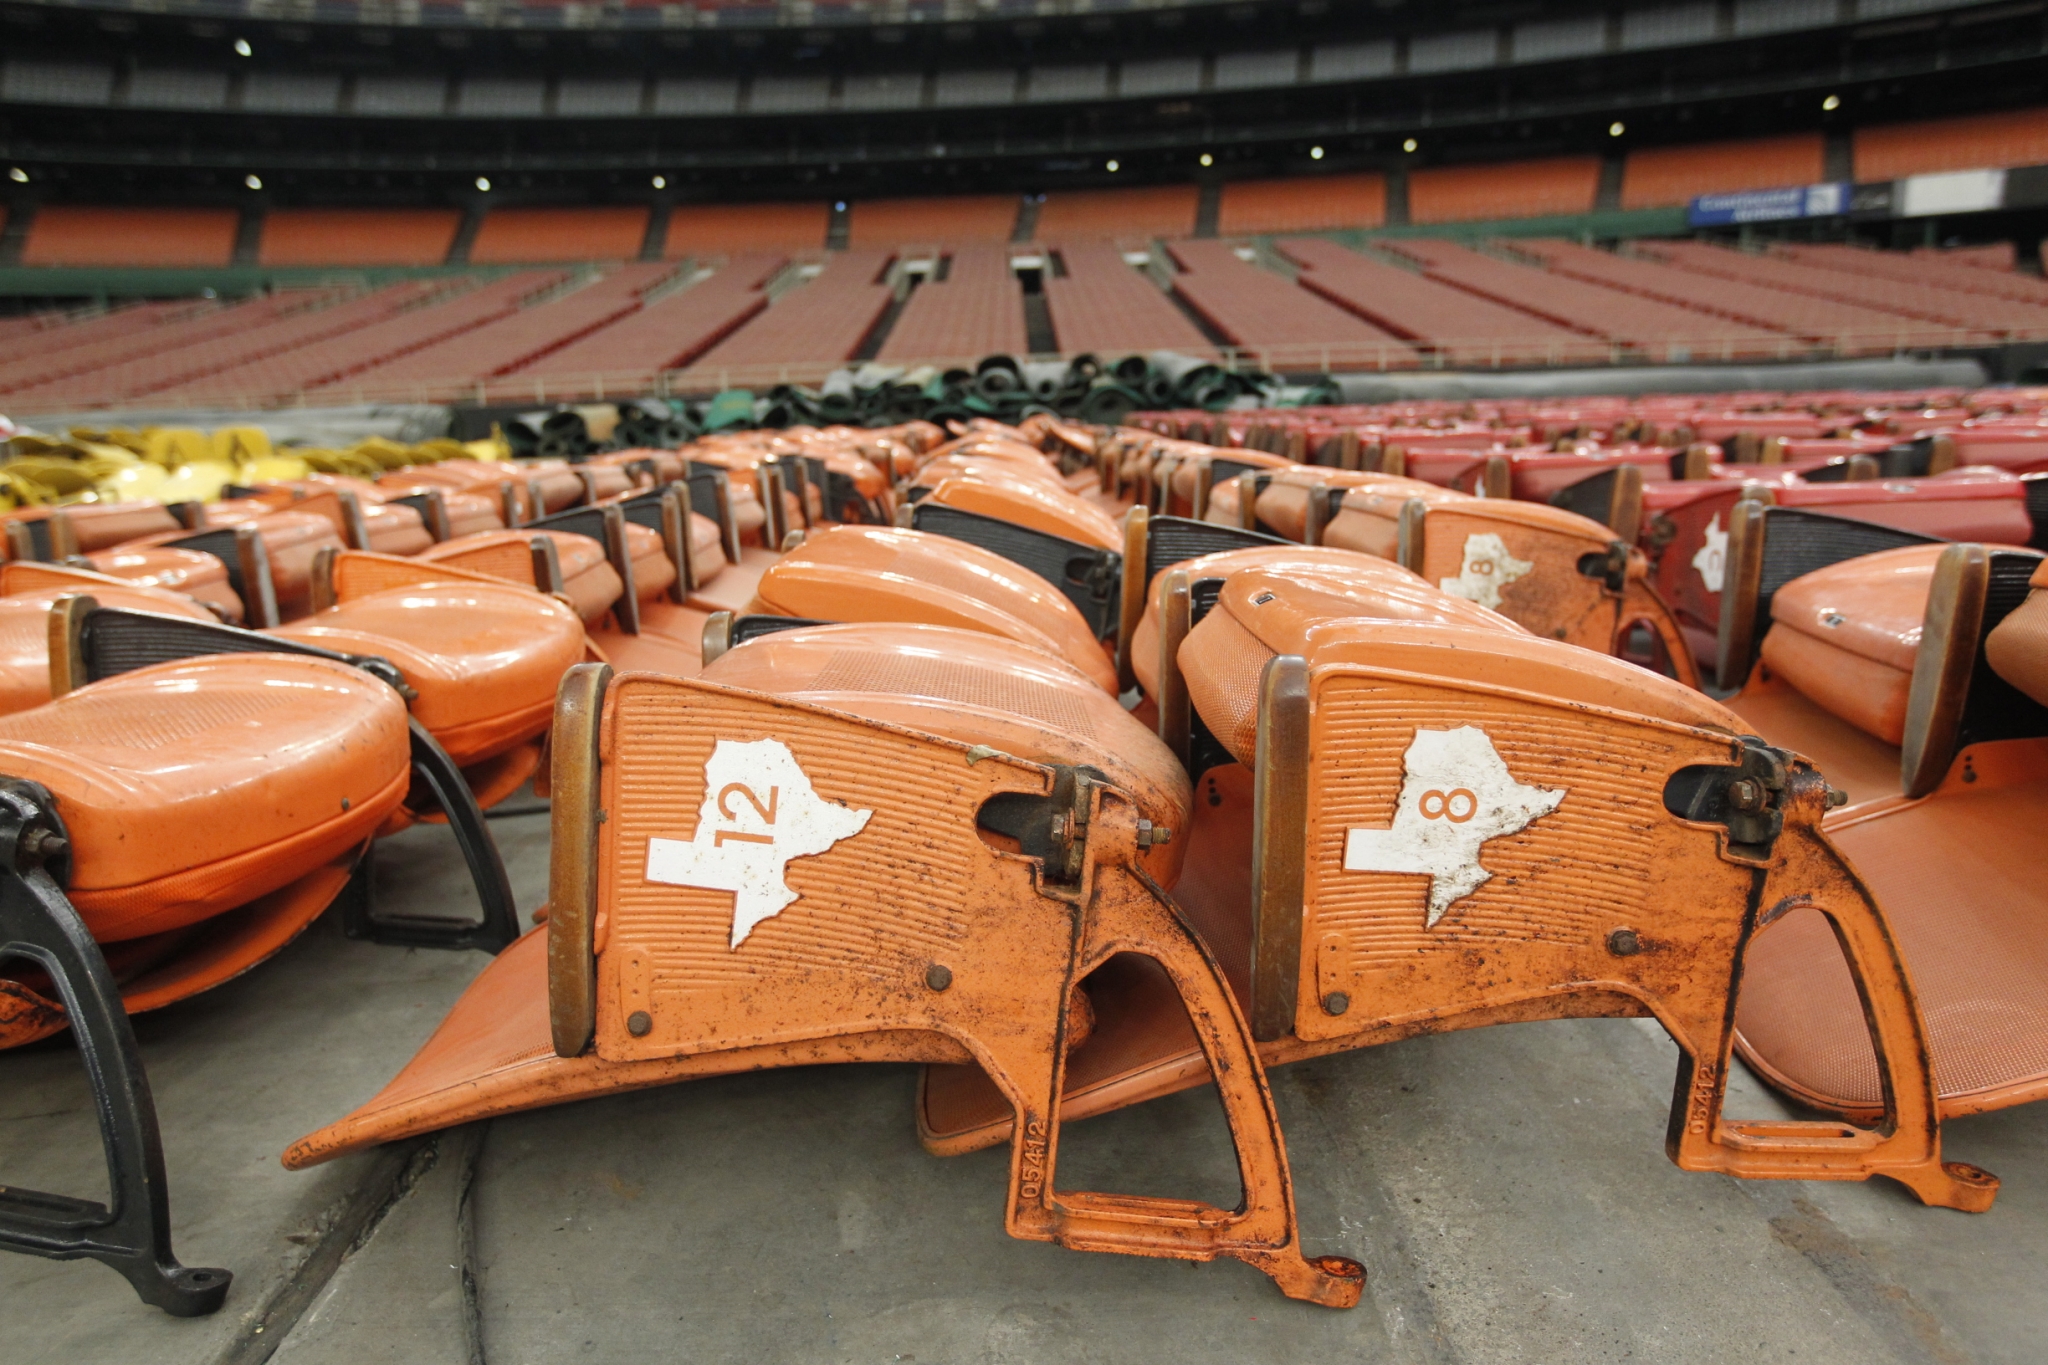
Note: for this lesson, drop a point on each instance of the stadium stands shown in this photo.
(718, 229)
(1134, 215)
(1516, 189)
(1850, 329)
(1104, 306)
(1926, 300)
(1660, 177)
(824, 319)
(112, 346)
(1644, 326)
(953, 218)
(72, 235)
(279, 378)
(357, 236)
(1259, 311)
(671, 330)
(520, 338)
(540, 236)
(1307, 204)
(1459, 328)
(2018, 138)
(976, 310)
(1932, 269)
(322, 315)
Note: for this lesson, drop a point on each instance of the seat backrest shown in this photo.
(1768, 547)
(1959, 696)
(2017, 646)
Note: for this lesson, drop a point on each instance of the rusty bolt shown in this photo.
(1151, 835)
(1624, 943)
(1336, 1002)
(938, 976)
(38, 844)
(1837, 797)
(1746, 793)
(639, 1023)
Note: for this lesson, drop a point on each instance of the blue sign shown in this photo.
(1769, 206)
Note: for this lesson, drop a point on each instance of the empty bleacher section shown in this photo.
(719, 229)
(539, 236)
(1845, 328)
(2019, 138)
(955, 218)
(282, 378)
(320, 315)
(1637, 325)
(1257, 310)
(810, 326)
(1302, 205)
(518, 339)
(1922, 299)
(1916, 269)
(667, 332)
(357, 236)
(1104, 306)
(977, 310)
(1457, 327)
(1516, 189)
(1134, 215)
(1661, 177)
(71, 235)
(37, 365)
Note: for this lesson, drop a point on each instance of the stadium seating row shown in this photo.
(1651, 178)
(765, 317)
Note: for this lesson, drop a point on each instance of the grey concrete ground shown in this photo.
(1506, 1188)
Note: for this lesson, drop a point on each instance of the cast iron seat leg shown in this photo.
(499, 924)
(38, 923)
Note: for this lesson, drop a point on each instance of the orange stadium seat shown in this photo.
(358, 236)
(1659, 177)
(516, 236)
(1303, 205)
(955, 218)
(699, 229)
(1519, 189)
(65, 235)
(1154, 211)
(1958, 144)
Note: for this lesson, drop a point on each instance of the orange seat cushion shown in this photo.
(1846, 636)
(25, 634)
(191, 788)
(485, 660)
(588, 579)
(192, 573)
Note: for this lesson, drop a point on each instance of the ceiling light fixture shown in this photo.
(1315, 154)
(483, 183)
(254, 182)
(1831, 103)
(661, 182)
(1208, 160)
(242, 48)
(1112, 165)
(17, 175)
(1409, 145)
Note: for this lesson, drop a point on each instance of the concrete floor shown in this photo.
(1506, 1189)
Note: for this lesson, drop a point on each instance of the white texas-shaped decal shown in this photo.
(1712, 559)
(759, 811)
(1488, 568)
(1456, 795)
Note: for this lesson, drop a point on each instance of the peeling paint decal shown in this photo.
(1456, 793)
(1712, 559)
(759, 812)
(1488, 568)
